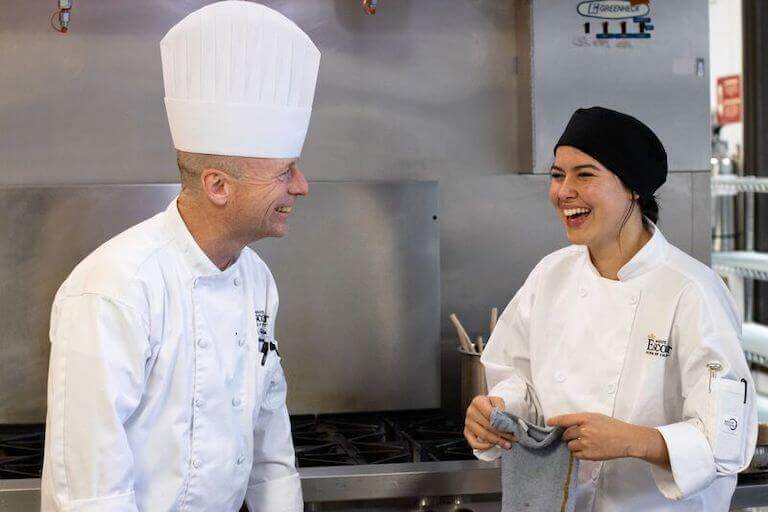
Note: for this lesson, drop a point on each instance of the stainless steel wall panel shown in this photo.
(493, 231)
(491, 244)
(701, 229)
(358, 278)
(676, 210)
(655, 79)
(359, 281)
(421, 90)
(44, 233)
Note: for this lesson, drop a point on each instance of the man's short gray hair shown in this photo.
(191, 166)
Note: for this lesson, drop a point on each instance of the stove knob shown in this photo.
(458, 501)
(425, 505)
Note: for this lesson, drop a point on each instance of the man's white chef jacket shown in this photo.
(157, 398)
(636, 349)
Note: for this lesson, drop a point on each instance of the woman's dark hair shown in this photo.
(650, 209)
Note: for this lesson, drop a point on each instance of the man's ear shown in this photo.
(216, 186)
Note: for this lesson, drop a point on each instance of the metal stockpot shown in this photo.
(760, 459)
(472, 377)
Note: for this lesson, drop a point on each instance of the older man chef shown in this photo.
(165, 389)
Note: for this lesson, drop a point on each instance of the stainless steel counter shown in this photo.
(381, 482)
(389, 481)
(458, 478)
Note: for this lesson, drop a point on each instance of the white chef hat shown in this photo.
(239, 80)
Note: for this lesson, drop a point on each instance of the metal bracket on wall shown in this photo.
(60, 17)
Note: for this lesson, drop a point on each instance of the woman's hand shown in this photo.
(592, 436)
(477, 425)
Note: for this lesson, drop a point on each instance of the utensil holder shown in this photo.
(472, 378)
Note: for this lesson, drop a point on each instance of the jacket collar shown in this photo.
(198, 261)
(652, 254)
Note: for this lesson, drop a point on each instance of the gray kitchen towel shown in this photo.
(538, 473)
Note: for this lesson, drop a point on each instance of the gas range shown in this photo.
(377, 462)
(320, 441)
(386, 461)
(378, 438)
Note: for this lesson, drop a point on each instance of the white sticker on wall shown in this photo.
(606, 20)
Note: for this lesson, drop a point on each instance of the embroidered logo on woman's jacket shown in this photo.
(658, 347)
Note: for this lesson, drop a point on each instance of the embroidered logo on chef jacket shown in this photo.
(262, 319)
(265, 345)
(658, 347)
(731, 423)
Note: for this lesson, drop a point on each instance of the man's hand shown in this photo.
(477, 425)
(592, 436)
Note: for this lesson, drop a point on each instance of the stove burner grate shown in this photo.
(21, 451)
(379, 438)
(319, 440)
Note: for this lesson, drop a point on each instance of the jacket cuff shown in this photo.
(279, 495)
(125, 502)
(488, 455)
(513, 394)
(690, 459)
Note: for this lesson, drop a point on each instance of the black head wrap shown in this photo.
(624, 145)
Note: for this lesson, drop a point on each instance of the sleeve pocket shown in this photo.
(725, 422)
(276, 391)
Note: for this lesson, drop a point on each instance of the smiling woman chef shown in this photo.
(630, 344)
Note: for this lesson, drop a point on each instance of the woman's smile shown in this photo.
(576, 217)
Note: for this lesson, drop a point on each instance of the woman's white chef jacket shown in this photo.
(157, 399)
(636, 349)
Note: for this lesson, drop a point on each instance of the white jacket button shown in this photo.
(560, 377)
(198, 402)
(240, 460)
(237, 281)
(611, 389)
(633, 299)
(582, 292)
(241, 342)
(196, 464)
(202, 343)
(595, 474)
(236, 402)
